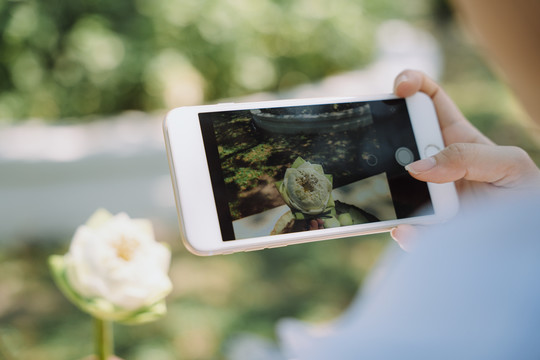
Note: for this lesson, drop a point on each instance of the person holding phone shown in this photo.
(480, 169)
(469, 289)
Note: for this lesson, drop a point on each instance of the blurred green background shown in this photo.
(77, 61)
(63, 59)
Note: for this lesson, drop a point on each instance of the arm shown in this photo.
(478, 166)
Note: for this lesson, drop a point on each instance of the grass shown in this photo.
(214, 299)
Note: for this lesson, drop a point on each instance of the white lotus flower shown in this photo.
(115, 269)
(307, 188)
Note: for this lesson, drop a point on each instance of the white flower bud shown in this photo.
(117, 259)
(307, 188)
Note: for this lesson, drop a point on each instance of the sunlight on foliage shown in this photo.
(79, 58)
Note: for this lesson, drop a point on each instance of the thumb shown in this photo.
(506, 166)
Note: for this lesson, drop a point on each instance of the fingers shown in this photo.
(405, 236)
(454, 126)
(504, 166)
(409, 82)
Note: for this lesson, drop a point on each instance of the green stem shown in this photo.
(4, 354)
(104, 341)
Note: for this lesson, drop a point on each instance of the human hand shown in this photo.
(479, 168)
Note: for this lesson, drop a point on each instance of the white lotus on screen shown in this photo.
(307, 188)
(117, 259)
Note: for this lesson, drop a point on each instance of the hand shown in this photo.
(479, 168)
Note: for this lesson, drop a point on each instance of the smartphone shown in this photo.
(249, 176)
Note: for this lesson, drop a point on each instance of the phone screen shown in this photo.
(302, 168)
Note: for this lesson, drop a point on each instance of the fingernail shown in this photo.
(401, 78)
(421, 166)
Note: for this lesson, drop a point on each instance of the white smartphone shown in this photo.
(267, 174)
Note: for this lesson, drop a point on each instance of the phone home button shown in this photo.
(431, 150)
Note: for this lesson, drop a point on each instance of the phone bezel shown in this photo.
(199, 223)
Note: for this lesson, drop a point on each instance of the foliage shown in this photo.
(213, 299)
(63, 59)
(253, 160)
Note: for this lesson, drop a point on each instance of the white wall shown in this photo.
(53, 177)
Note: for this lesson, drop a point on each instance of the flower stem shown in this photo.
(103, 339)
(4, 354)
